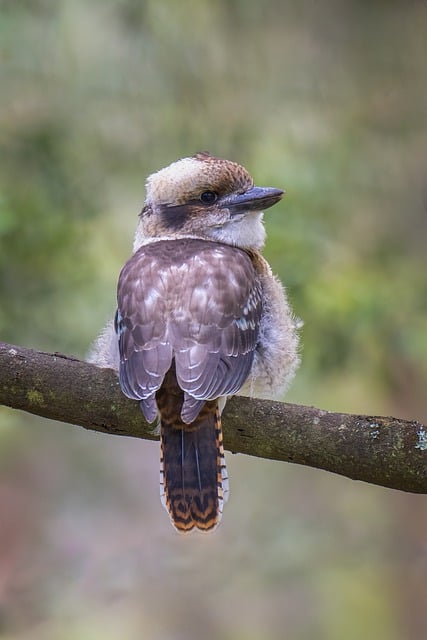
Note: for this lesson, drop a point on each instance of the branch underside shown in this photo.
(386, 451)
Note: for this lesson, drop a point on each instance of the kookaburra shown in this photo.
(200, 317)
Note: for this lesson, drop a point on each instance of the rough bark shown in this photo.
(382, 450)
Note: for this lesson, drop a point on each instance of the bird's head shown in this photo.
(205, 197)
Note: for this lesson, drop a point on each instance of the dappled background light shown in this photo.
(327, 101)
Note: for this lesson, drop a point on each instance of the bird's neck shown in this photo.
(246, 233)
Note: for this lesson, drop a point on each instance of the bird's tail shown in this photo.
(193, 475)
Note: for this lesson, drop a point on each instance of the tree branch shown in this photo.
(382, 450)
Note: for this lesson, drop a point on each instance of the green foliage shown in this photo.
(324, 103)
(327, 100)
(100, 95)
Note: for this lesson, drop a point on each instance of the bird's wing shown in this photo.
(141, 327)
(193, 300)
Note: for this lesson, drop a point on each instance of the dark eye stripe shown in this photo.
(175, 217)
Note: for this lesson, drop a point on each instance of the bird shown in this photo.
(200, 317)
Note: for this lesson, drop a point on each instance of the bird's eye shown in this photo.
(209, 197)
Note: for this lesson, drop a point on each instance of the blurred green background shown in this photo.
(327, 100)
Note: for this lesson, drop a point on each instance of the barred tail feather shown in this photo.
(193, 474)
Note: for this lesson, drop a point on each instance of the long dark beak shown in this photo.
(254, 199)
